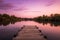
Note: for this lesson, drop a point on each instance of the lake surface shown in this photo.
(7, 32)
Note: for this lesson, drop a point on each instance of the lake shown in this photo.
(8, 31)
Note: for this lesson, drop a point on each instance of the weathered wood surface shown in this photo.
(29, 33)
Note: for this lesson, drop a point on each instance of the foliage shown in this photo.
(6, 19)
(52, 17)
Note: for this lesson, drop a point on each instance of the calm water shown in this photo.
(8, 31)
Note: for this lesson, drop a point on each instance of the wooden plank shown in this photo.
(29, 33)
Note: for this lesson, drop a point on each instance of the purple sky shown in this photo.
(29, 8)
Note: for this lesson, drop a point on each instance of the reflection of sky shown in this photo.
(29, 8)
(52, 32)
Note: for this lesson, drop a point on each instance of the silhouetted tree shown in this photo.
(6, 19)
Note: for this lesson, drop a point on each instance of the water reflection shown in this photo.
(44, 23)
(7, 31)
(51, 23)
(5, 23)
(51, 31)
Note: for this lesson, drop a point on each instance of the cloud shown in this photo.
(21, 8)
(5, 6)
(50, 3)
(1, 1)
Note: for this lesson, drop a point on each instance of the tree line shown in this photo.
(6, 19)
(52, 17)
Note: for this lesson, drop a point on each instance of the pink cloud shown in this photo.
(4, 6)
(52, 2)
(20, 9)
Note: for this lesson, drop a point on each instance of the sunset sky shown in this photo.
(29, 8)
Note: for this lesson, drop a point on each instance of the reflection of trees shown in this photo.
(0, 23)
(5, 23)
(13, 22)
(53, 19)
(5, 19)
(55, 23)
(51, 23)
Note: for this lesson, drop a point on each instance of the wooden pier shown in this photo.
(29, 33)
